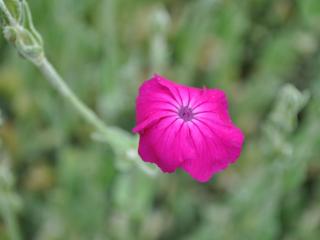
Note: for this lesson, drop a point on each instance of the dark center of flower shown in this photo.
(186, 113)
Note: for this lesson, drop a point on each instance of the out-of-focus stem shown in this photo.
(57, 82)
(110, 133)
(28, 42)
(54, 78)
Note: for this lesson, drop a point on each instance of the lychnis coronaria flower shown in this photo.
(186, 127)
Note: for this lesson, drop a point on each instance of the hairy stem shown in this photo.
(28, 43)
(57, 82)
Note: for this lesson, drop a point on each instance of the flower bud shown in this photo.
(19, 30)
(10, 34)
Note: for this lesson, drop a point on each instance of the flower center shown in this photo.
(186, 113)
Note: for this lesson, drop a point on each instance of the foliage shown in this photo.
(62, 184)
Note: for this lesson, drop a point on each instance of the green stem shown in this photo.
(57, 82)
(28, 42)
(109, 133)
(55, 79)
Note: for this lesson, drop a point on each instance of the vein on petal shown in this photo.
(222, 141)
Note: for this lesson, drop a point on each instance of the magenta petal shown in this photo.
(213, 153)
(214, 101)
(226, 139)
(155, 117)
(161, 144)
(172, 87)
(153, 103)
(201, 165)
(186, 127)
(146, 149)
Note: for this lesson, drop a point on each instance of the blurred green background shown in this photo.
(57, 183)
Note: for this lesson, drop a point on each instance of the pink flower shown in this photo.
(186, 127)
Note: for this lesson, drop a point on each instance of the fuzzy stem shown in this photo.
(29, 44)
(57, 82)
